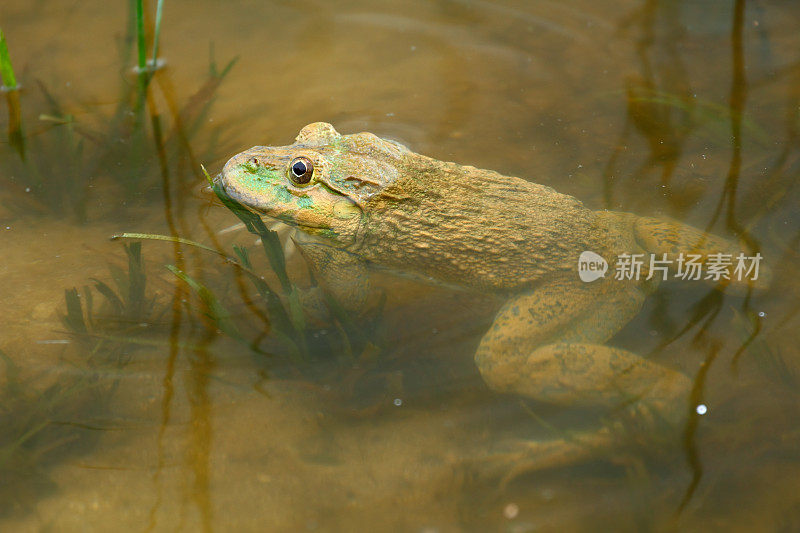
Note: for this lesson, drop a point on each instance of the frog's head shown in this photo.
(322, 183)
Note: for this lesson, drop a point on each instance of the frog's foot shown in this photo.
(521, 457)
(582, 374)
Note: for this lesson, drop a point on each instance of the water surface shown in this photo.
(166, 423)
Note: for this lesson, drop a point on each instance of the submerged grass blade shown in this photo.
(277, 313)
(12, 384)
(274, 251)
(271, 244)
(74, 317)
(15, 136)
(713, 116)
(111, 297)
(87, 297)
(269, 239)
(136, 281)
(214, 309)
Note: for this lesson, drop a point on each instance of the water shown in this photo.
(660, 108)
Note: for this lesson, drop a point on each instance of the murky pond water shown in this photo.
(147, 401)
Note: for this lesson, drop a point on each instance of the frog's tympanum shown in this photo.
(360, 201)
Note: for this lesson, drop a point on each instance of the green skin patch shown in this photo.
(307, 209)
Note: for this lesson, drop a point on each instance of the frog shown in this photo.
(360, 202)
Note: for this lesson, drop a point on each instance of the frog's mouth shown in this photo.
(285, 217)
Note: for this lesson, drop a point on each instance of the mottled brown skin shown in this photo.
(373, 202)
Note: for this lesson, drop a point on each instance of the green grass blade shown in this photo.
(277, 313)
(274, 252)
(140, 42)
(269, 239)
(7, 79)
(6, 70)
(168, 238)
(157, 32)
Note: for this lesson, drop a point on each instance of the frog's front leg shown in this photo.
(547, 345)
(341, 276)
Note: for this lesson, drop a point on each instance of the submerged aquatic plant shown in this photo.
(42, 425)
(124, 311)
(134, 151)
(288, 323)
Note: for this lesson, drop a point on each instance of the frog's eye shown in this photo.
(300, 170)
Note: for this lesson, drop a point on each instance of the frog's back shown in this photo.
(475, 227)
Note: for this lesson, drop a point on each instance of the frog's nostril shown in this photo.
(253, 160)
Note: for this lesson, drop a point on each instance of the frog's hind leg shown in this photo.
(547, 345)
(665, 237)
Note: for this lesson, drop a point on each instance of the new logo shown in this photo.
(591, 266)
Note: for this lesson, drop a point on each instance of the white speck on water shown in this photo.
(389, 114)
(701, 409)
(398, 402)
(511, 511)
(435, 331)
(762, 314)
(27, 189)
(413, 48)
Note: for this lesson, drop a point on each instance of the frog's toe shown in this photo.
(516, 458)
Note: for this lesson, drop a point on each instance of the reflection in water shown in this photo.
(665, 110)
